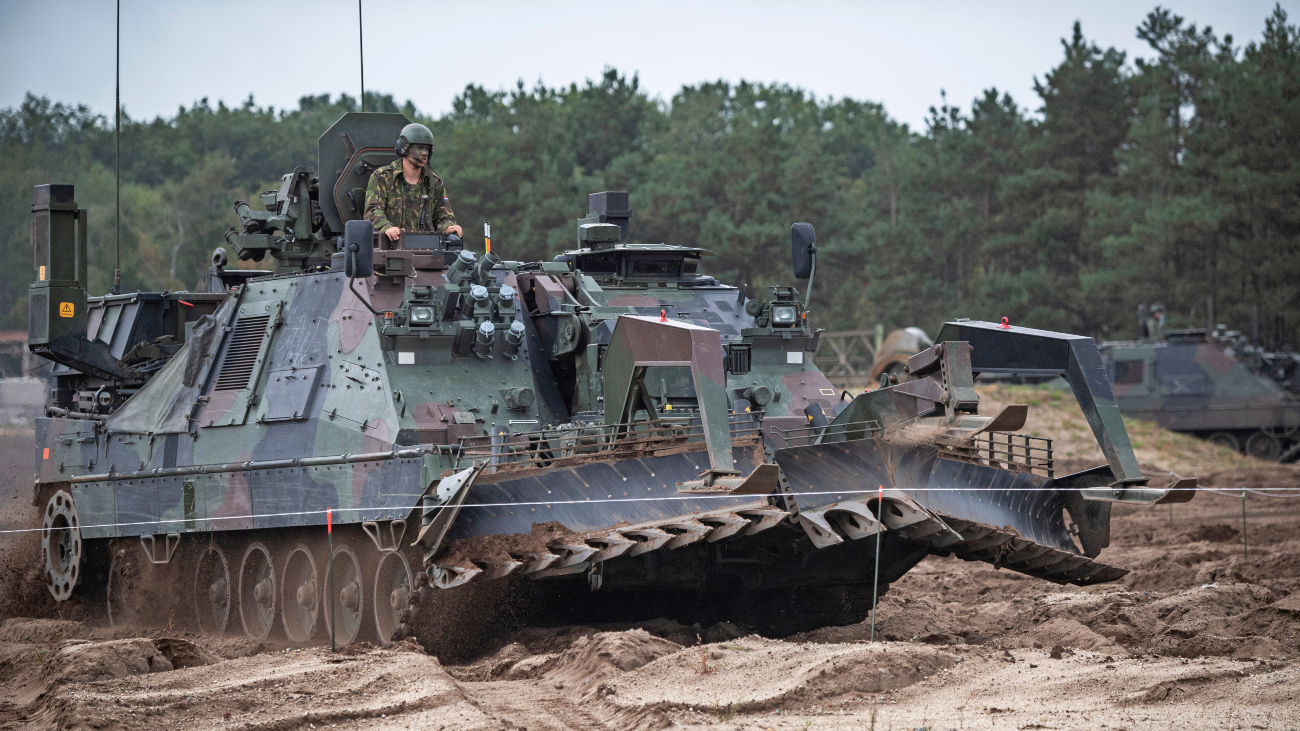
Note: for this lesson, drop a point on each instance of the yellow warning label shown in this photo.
(65, 309)
(42, 273)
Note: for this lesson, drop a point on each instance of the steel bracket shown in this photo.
(396, 531)
(170, 542)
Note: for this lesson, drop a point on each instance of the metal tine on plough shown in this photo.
(450, 577)
(686, 532)
(572, 554)
(535, 561)
(615, 545)
(762, 518)
(726, 525)
(496, 568)
(574, 557)
(647, 540)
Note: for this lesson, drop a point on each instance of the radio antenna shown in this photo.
(117, 157)
(361, 43)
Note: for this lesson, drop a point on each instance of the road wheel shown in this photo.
(300, 594)
(1224, 439)
(348, 597)
(61, 545)
(257, 592)
(394, 583)
(1265, 446)
(212, 591)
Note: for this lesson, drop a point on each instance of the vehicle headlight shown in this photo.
(784, 315)
(421, 315)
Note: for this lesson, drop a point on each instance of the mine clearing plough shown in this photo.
(949, 484)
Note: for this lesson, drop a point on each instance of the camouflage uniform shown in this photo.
(1155, 328)
(390, 201)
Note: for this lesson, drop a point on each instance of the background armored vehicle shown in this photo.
(1217, 387)
(891, 358)
(348, 446)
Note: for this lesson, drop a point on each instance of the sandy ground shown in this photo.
(1198, 636)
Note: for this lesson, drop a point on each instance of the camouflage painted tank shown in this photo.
(614, 420)
(1218, 388)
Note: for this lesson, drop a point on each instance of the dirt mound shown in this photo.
(1218, 533)
(128, 684)
(34, 672)
(756, 674)
(184, 654)
(1065, 632)
(592, 659)
(569, 657)
(87, 662)
(41, 631)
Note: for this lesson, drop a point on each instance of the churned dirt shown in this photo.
(1203, 633)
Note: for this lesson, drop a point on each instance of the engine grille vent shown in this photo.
(738, 359)
(241, 354)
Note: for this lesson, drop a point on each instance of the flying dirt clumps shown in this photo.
(501, 547)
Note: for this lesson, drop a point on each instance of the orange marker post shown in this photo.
(487, 237)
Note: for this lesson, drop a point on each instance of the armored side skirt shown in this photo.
(234, 497)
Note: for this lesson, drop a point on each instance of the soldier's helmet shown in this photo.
(1157, 307)
(412, 134)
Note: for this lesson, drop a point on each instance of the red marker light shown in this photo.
(663, 315)
(329, 520)
(1006, 324)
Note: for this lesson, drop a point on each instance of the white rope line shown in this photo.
(666, 498)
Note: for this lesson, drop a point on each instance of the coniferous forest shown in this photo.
(1170, 178)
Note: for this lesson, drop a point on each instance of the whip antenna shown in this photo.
(117, 157)
(361, 43)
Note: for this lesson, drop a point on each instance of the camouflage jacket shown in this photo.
(422, 207)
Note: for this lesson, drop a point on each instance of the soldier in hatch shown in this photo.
(407, 197)
(1154, 327)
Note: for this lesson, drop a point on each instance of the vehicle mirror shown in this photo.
(359, 248)
(803, 247)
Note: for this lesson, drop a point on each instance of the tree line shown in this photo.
(1172, 178)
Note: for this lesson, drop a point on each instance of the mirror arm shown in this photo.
(808, 296)
(352, 284)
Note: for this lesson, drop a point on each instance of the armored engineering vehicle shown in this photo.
(1213, 385)
(347, 446)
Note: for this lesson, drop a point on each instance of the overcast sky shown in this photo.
(899, 53)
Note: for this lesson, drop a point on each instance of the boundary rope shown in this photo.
(589, 501)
